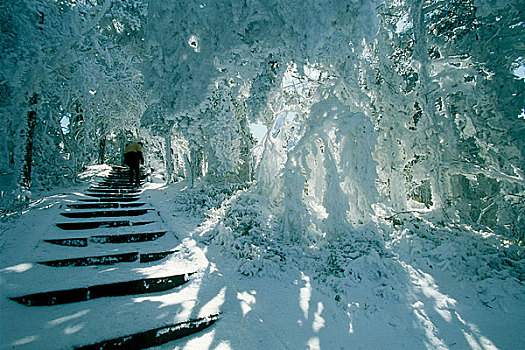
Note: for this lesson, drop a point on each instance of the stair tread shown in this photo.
(103, 206)
(113, 239)
(106, 213)
(157, 336)
(107, 259)
(53, 268)
(86, 292)
(42, 278)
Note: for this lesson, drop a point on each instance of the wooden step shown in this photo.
(118, 186)
(107, 239)
(110, 199)
(106, 213)
(120, 174)
(113, 190)
(88, 225)
(93, 260)
(112, 195)
(141, 286)
(117, 180)
(157, 336)
(113, 187)
(108, 259)
(115, 193)
(107, 205)
(149, 257)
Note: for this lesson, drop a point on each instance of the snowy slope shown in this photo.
(450, 290)
(81, 323)
(417, 290)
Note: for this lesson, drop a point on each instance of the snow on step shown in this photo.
(95, 259)
(114, 195)
(157, 260)
(81, 227)
(156, 336)
(104, 186)
(105, 213)
(124, 177)
(118, 181)
(122, 182)
(141, 286)
(106, 239)
(121, 185)
(113, 190)
(108, 259)
(86, 219)
(86, 225)
(110, 199)
(98, 205)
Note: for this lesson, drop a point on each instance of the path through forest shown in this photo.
(422, 306)
(83, 276)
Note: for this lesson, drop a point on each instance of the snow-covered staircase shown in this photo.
(110, 226)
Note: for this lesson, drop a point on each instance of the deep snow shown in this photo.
(418, 287)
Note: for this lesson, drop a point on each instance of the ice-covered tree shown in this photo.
(374, 108)
(450, 137)
(55, 60)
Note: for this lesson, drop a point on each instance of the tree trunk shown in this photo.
(122, 146)
(102, 150)
(194, 164)
(189, 174)
(438, 173)
(189, 169)
(169, 162)
(5, 163)
(28, 156)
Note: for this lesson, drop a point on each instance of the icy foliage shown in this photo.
(365, 129)
(430, 156)
(205, 196)
(244, 227)
(66, 87)
(237, 219)
(382, 261)
(455, 134)
(385, 270)
(328, 178)
(392, 171)
(373, 108)
(423, 87)
(218, 132)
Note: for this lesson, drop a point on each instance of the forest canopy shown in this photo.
(373, 108)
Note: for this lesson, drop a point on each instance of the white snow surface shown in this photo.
(413, 286)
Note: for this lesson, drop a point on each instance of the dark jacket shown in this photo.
(133, 155)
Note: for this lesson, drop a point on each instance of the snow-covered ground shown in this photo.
(419, 287)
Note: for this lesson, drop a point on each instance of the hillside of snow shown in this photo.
(404, 284)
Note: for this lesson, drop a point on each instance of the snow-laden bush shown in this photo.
(464, 255)
(205, 196)
(244, 228)
(388, 261)
(14, 200)
(461, 251)
(360, 259)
